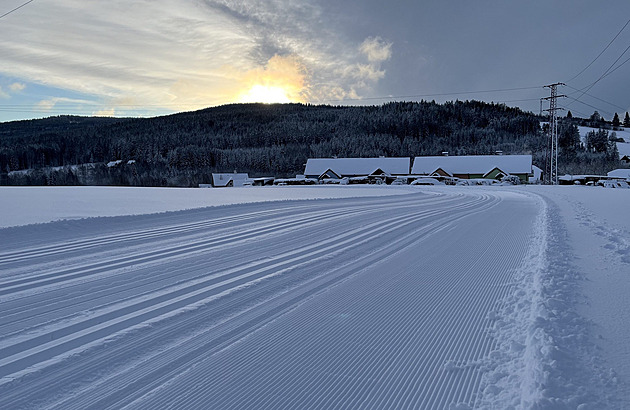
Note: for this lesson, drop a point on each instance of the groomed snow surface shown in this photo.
(31, 205)
(442, 297)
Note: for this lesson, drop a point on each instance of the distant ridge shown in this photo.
(184, 149)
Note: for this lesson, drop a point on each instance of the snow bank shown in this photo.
(30, 205)
(543, 356)
(599, 236)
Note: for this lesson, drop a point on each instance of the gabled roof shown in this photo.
(379, 171)
(329, 173)
(495, 169)
(473, 164)
(441, 172)
(357, 166)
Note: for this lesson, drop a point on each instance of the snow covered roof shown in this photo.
(620, 173)
(357, 166)
(221, 180)
(473, 164)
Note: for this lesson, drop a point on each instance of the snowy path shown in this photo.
(351, 303)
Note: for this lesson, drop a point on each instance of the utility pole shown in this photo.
(551, 176)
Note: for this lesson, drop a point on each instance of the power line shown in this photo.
(17, 8)
(159, 107)
(597, 98)
(606, 73)
(394, 97)
(587, 104)
(602, 52)
(616, 68)
(578, 112)
(521, 100)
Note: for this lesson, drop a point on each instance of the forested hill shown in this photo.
(183, 149)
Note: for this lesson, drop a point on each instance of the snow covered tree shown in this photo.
(568, 137)
(615, 122)
(595, 119)
(597, 141)
(612, 153)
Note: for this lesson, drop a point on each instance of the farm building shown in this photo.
(475, 166)
(337, 168)
(624, 152)
(230, 180)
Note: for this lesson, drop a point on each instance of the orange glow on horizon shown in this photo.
(265, 94)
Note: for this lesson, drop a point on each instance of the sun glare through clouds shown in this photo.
(265, 94)
(283, 79)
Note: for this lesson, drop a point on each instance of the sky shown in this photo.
(148, 58)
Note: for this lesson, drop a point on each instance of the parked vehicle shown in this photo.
(427, 181)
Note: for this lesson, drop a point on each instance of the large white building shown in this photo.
(356, 167)
(474, 166)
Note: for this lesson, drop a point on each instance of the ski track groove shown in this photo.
(238, 404)
(147, 307)
(415, 346)
(175, 251)
(127, 288)
(314, 356)
(20, 309)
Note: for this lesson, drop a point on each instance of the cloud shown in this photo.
(283, 72)
(53, 102)
(376, 49)
(17, 87)
(107, 112)
(13, 88)
(187, 55)
(46, 105)
(365, 72)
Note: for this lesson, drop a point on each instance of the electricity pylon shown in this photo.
(551, 176)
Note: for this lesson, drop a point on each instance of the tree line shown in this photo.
(265, 140)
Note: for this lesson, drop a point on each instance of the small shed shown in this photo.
(230, 180)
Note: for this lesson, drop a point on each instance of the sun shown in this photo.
(265, 94)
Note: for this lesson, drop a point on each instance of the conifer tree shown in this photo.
(626, 121)
(615, 122)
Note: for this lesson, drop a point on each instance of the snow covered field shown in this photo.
(29, 205)
(445, 297)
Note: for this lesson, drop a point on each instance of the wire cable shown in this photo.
(587, 104)
(394, 97)
(17, 8)
(606, 73)
(600, 54)
(597, 98)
